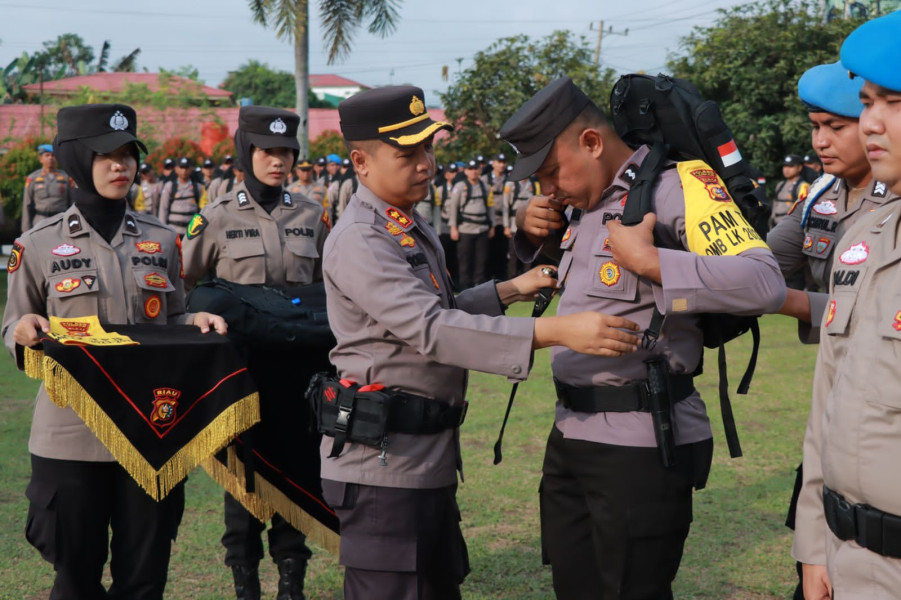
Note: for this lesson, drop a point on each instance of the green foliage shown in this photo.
(749, 62)
(328, 142)
(20, 160)
(175, 148)
(63, 55)
(266, 86)
(508, 73)
(226, 146)
(342, 18)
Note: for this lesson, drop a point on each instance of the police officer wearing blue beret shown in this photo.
(47, 190)
(848, 524)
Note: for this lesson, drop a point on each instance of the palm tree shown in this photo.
(341, 18)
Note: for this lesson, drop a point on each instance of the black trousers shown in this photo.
(244, 544)
(613, 519)
(472, 258)
(514, 265)
(72, 507)
(398, 543)
(450, 255)
(497, 254)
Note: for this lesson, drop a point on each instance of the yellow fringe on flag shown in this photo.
(65, 391)
(267, 500)
(34, 363)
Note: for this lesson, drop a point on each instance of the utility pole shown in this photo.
(597, 50)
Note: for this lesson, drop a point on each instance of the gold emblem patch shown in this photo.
(393, 229)
(712, 183)
(164, 404)
(609, 273)
(417, 107)
(68, 284)
(407, 241)
(15, 258)
(152, 307)
(155, 280)
(149, 247)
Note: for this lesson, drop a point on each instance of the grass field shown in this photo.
(738, 546)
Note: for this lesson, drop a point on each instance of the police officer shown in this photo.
(77, 491)
(305, 186)
(496, 179)
(258, 233)
(182, 198)
(389, 302)
(150, 191)
(168, 172)
(319, 171)
(846, 530)
(47, 190)
(516, 197)
(442, 221)
(469, 219)
(613, 517)
(208, 168)
(808, 234)
(341, 189)
(791, 189)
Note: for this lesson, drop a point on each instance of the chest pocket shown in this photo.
(83, 285)
(300, 257)
(245, 261)
(609, 280)
(839, 311)
(150, 301)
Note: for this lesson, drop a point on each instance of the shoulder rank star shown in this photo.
(398, 217)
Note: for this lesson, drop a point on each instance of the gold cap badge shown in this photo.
(416, 106)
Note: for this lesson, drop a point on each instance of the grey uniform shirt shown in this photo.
(177, 208)
(829, 215)
(397, 323)
(46, 194)
(65, 269)
(495, 185)
(469, 215)
(239, 241)
(853, 437)
(749, 283)
(516, 196)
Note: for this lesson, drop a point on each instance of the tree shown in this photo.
(66, 56)
(291, 19)
(257, 81)
(749, 62)
(508, 73)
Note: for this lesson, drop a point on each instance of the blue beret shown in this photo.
(45, 148)
(334, 158)
(872, 51)
(829, 88)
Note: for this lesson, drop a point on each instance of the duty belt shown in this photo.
(631, 397)
(873, 529)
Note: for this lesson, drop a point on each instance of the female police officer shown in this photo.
(77, 490)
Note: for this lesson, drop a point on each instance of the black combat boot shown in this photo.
(247, 582)
(290, 579)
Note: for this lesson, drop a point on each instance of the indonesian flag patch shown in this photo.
(729, 153)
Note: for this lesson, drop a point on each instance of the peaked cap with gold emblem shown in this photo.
(395, 114)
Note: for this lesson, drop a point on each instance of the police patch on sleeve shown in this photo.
(196, 226)
(714, 225)
(15, 258)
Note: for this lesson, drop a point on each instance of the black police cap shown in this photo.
(321, 161)
(145, 168)
(168, 163)
(101, 127)
(501, 157)
(792, 160)
(185, 162)
(395, 114)
(269, 127)
(208, 163)
(228, 159)
(533, 128)
(304, 163)
(453, 167)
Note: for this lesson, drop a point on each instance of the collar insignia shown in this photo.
(243, 200)
(74, 224)
(399, 217)
(130, 225)
(407, 241)
(286, 199)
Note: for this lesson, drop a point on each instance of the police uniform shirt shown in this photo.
(46, 194)
(311, 190)
(176, 209)
(472, 216)
(151, 193)
(828, 217)
(852, 443)
(495, 185)
(693, 282)
(389, 301)
(236, 239)
(64, 268)
(516, 197)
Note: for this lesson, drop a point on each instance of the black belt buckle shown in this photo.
(343, 418)
(844, 517)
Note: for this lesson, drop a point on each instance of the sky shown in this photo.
(218, 36)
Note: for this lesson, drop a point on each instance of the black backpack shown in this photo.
(670, 115)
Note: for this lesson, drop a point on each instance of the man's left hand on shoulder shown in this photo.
(633, 247)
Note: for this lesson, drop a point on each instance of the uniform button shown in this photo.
(517, 369)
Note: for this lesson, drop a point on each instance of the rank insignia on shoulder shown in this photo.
(879, 190)
(68, 284)
(407, 241)
(65, 250)
(149, 247)
(197, 225)
(609, 273)
(74, 224)
(130, 225)
(286, 199)
(399, 217)
(630, 173)
(393, 229)
(856, 254)
(15, 258)
(243, 200)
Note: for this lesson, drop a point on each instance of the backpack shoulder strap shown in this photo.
(641, 199)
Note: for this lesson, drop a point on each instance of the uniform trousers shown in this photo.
(399, 543)
(613, 519)
(497, 252)
(472, 258)
(450, 255)
(244, 544)
(72, 507)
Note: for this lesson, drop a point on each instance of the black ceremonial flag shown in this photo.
(161, 407)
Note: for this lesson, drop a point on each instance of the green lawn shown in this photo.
(738, 547)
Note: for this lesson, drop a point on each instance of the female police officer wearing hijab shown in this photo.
(77, 491)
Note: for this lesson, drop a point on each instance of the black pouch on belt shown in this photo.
(346, 411)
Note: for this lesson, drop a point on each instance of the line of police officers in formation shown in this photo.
(614, 519)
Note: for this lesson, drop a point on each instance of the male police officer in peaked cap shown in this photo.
(848, 524)
(614, 514)
(259, 233)
(389, 305)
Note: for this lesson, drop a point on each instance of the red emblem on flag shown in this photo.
(164, 404)
(76, 328)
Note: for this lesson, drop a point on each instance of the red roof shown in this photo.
(115, 82)
(20, 120)
(334, 81)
